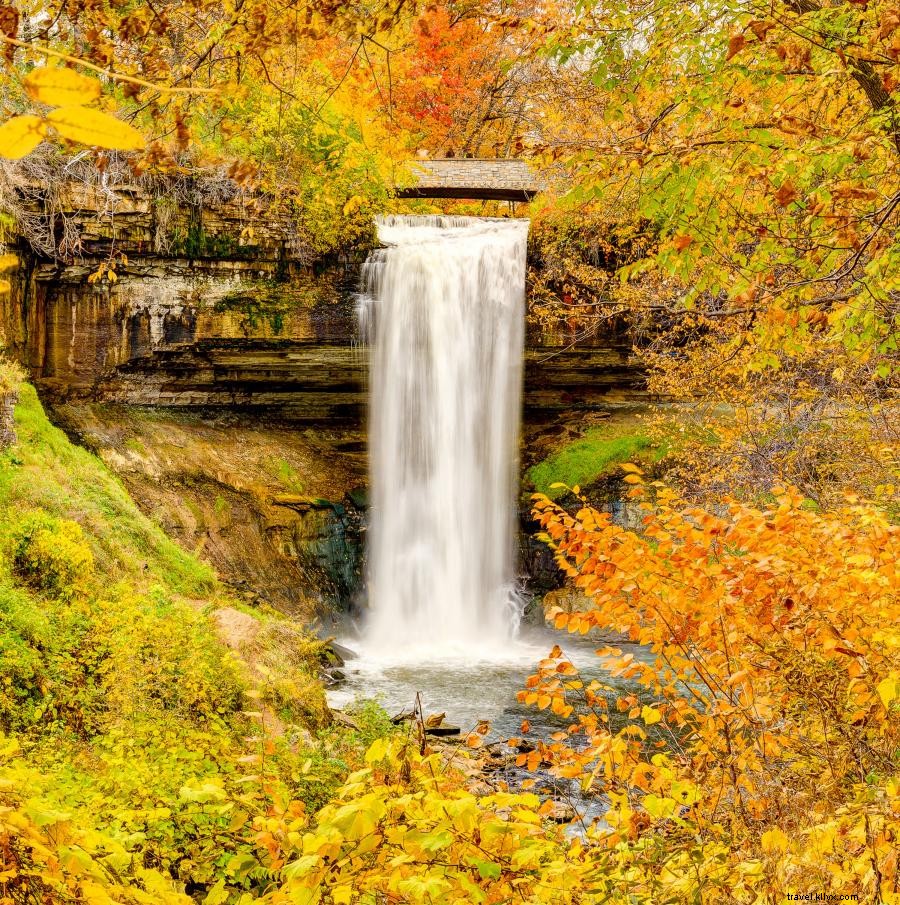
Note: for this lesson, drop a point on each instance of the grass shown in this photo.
(597, 453)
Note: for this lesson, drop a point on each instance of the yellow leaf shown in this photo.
(650, 715)
(889, 689)
(91, 127)
(378, 750)
(21, 135)
(774, 840)
(342, 895)
(353, 204)
(61, 87)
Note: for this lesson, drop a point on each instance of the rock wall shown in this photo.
(190, 332)
(182, 332)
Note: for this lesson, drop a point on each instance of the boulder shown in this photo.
(341, 652)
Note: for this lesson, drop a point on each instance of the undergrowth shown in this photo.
(129, 732)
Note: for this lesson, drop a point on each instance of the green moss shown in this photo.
(195, 242)
(136, 446)
(598, 452)
(286, 475)
(45, 471)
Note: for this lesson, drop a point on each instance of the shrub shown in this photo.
(51, 555)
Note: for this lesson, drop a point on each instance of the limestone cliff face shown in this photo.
(173, 331)
(212, 332)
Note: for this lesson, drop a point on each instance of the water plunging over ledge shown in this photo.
(444, 314)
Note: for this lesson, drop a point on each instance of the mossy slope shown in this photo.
(596, 453)
(126, 723)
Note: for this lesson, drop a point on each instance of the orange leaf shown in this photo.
(736, 43)
(786, 193)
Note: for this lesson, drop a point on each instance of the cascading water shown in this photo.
(445, 322)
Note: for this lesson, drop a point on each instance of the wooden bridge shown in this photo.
(494, 179)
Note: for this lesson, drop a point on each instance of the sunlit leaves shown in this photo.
(91, 127)
(768, 630)
(21, 135)
(59, 87)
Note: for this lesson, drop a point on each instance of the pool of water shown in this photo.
(482, 686)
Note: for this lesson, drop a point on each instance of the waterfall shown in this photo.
(445, 321)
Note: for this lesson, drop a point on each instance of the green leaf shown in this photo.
(487, 870)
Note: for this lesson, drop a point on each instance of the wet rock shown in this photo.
(359, 497)
(562, 812)
(443, 730)
(404, 716)
(333, 677)
(342, 651)
(330, 658)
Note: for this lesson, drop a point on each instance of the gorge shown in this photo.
(363, 541)
(222, 375)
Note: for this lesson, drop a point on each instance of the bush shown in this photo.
(51, 555)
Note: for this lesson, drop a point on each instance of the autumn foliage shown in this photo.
(763, 759)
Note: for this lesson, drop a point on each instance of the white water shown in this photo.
(445, 320)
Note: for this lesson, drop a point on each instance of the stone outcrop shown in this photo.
(266, 503)
(8, 400)
(180, 332)
(83, 219)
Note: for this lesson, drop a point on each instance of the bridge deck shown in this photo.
(498, 179)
